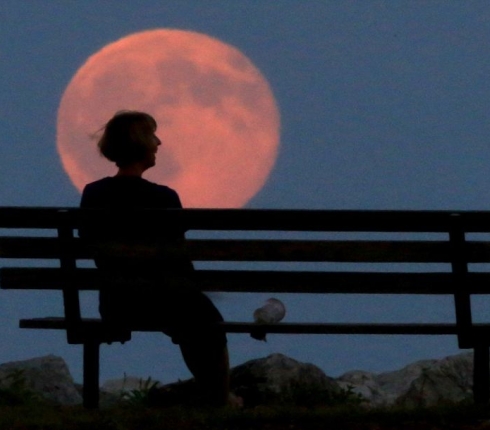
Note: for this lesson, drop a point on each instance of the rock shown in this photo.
(275, 379)
(393, 384)
(280, 379)
(47, 376)
(424, 383)
(446, 380)
(361, 383)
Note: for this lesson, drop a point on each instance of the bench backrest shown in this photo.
(421, 237)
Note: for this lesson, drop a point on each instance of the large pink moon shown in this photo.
(216, 114)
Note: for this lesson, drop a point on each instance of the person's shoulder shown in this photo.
(160, 188)
(94, 193)
(99, 182)
(97, 186)
(165, 192)
(169, 193)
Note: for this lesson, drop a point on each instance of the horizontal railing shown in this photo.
(257, 219)
(92, 324)
(255, 281)
(355, 251)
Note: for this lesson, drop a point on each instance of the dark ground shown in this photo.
(41, 416)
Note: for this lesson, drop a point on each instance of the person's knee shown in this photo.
(209, 339)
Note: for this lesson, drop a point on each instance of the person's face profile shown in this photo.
(153, 143)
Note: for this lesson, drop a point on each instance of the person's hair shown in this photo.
(125, 137)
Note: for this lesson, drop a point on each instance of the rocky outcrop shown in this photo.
(424, 383)
(446, 380)
(275, 379)
(48, 377)
(280, 379)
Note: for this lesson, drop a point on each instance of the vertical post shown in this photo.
(481, 374)
(68, 265)
(462, 300)
(91, 364)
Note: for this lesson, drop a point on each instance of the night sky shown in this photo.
(383, 105)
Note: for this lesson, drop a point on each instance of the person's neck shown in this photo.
(135, 170)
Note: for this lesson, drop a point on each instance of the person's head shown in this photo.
(129, 138)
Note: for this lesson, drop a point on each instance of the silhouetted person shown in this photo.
(130, 142)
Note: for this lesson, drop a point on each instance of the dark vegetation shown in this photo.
(37, 416)
(20, 409)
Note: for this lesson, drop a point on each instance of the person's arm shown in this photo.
(90, 200)
(171, 200)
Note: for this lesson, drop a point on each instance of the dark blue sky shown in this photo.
(383, 106)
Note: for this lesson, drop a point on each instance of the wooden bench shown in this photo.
(355, 237)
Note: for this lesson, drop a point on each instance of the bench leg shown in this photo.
(481, 374)
(91, 374)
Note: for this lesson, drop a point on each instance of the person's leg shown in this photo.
(191, 315)
(211, 369)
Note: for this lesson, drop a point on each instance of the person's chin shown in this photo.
(149, 166)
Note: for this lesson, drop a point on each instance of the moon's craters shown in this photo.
(216, 114)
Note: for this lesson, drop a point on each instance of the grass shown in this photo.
(40, 415)
(20, 409)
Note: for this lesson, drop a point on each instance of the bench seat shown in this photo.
(93, 326)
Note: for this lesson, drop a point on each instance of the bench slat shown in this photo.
(257, 281)
(261, 250)
(261, 219)
(58, 323)
(317, 251)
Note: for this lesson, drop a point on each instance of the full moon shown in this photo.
(216, 114)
